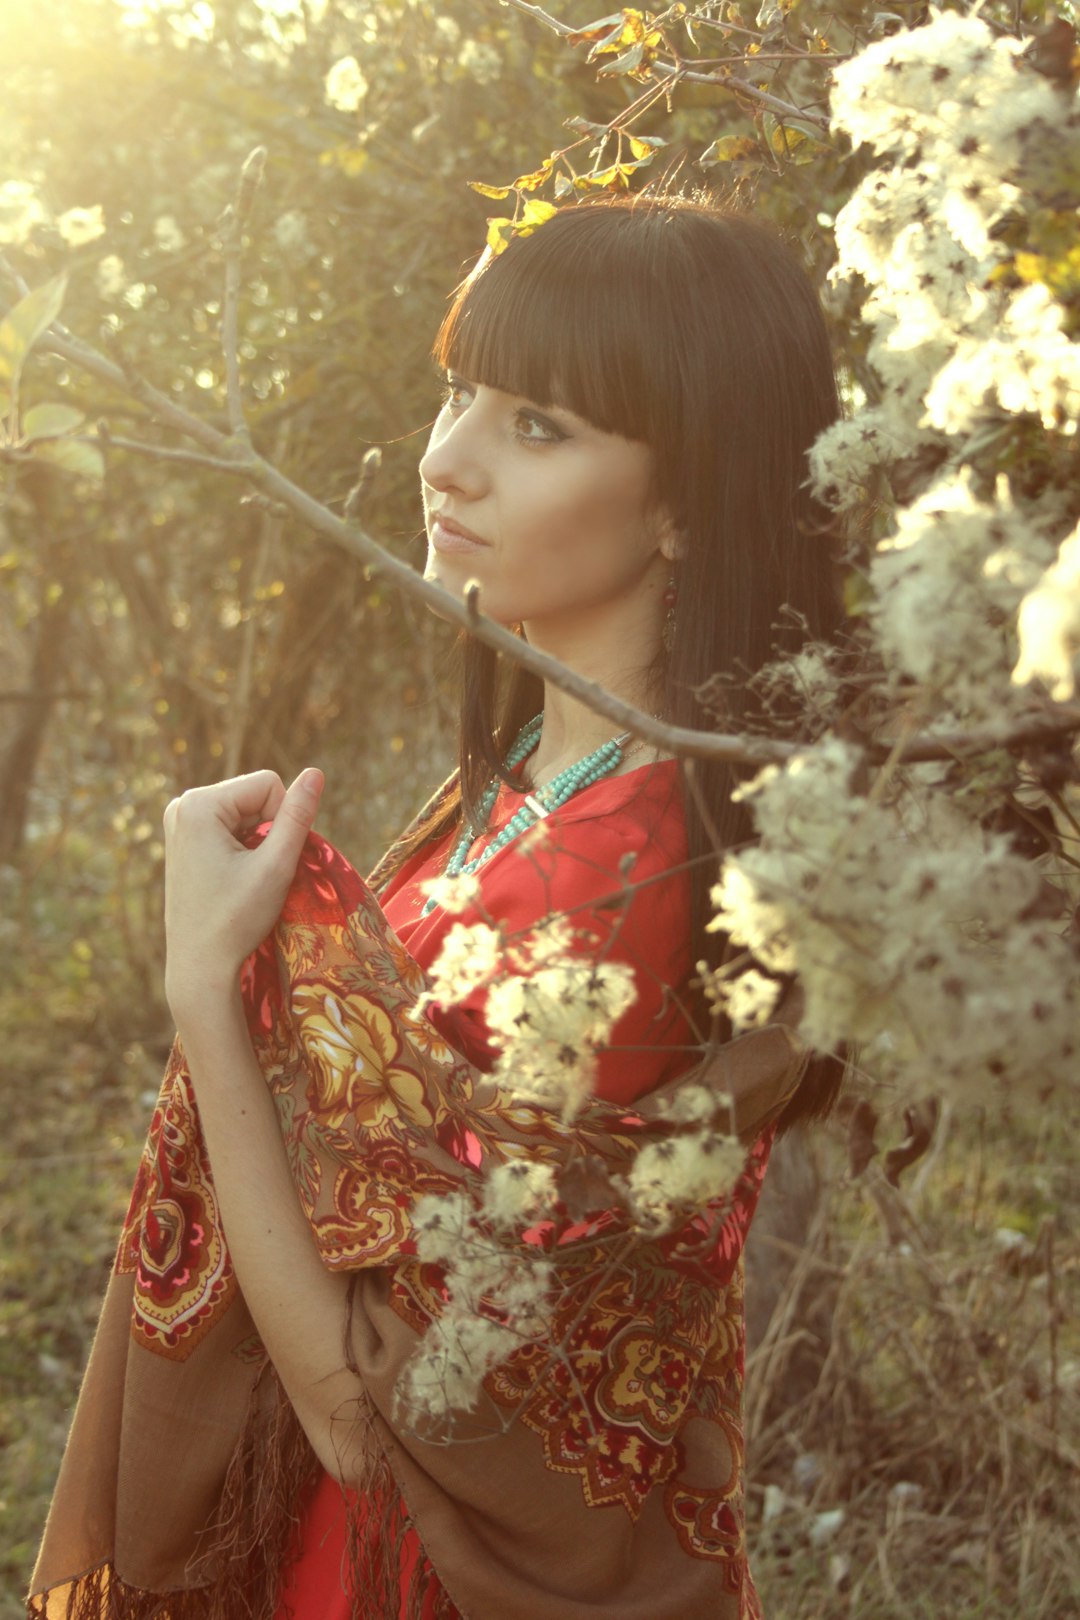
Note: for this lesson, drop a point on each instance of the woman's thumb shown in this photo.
(295, 816)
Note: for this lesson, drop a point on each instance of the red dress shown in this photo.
(627, 829)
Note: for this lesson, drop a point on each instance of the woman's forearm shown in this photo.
(297, 1305)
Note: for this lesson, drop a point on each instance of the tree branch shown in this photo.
(1050, 723)
(232, 245)
(725, 80)
(193, 458)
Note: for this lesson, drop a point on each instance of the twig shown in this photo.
(726, 81)
(232, 244)
(160, 452)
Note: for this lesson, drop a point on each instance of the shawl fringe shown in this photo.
(237, 1568)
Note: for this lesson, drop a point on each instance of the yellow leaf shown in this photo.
(499, 232)
(529, 182)
(645, 146)
(535, 212)
(495, 192)
(1030, 266)
(730, 149)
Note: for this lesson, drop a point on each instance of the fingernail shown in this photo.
(311, 781)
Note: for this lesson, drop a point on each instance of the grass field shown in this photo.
(933, 1473)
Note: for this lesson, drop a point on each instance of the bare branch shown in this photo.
(232, 245)
(743, 87)
(676, 72)
(160, 452)
(1048, 723)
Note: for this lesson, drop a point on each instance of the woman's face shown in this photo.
(553, 518)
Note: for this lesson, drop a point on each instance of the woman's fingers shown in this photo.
(241, 801)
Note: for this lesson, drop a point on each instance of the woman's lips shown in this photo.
(446, 535)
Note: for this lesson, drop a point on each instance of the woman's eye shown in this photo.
(455, 394)
(532, 428)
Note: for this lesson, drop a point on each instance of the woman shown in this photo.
(619, 463)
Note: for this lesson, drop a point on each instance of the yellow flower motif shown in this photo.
(352, 1051)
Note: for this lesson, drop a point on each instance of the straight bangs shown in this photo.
(570, 316)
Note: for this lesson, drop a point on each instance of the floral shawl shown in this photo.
(600, 1474)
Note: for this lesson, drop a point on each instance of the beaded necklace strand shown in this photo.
(538, 805)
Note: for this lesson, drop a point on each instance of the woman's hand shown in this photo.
(222, 899)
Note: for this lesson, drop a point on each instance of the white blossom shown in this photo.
(345, 85)
(481, 62)
(518, 1192)
(549, 1024)
(81, 225)
(470, 957)
(291, 232)
(1049, 624)
(21, 211)
(947, 586)
(167, 234)
(913, 930)
(1029, 367)
(110, 276)
(453, 894)
(682, 1172)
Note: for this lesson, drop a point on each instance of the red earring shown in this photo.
(669, 599)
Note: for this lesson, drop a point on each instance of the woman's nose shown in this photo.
(452, 460)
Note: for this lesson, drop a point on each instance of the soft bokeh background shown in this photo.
(160, 631)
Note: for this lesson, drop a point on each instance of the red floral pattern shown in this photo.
(376, 1111)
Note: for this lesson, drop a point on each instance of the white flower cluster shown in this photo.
(498, 1297)
(345, 85)
(961, 565)
(549, 1023)
(681, 1173)
(913, 931)
(549, 1006)
(960, 122)
(1049, 624)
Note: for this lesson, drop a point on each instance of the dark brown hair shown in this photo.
(696, 331)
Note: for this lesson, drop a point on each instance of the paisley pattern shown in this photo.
(644, 1392)
(172, 1239)
(650, 1339)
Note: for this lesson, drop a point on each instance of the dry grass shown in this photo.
(935, 1468)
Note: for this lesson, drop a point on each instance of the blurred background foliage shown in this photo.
(158, 630)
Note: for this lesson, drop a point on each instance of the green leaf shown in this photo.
(82, 460)
(50, 421)
(604, 27)
(628, 62)
(730, 149)
(584, 127)
(23, 325)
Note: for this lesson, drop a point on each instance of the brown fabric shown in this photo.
(600, 1475)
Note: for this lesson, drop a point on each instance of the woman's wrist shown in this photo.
(203, 999)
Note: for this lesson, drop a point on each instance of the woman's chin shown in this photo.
(455, 577)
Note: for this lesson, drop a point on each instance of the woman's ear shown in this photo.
(671, 539)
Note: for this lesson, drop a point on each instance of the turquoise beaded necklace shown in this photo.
(539, 804)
